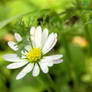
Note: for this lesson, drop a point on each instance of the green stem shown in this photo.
(88, 36)
(53, 85)
(40, 80)
(72, 72)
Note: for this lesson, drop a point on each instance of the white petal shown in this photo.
(18, 37)
(24, 57)
(26, 70)
(47, 61)
(50, 43)
(51, 60)
(13, 45)
(28, 47)
(17, 65)
(57, 61)
(54, 57)
(23, 52)
(44, 36)
(32, 35)
(36, 70)
(38, 36)
(12, 58)
(44, 67)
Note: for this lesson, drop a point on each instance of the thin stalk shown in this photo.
(51, 81)
(87, 34)
(53, 85)
(40, 80)
(72, 72)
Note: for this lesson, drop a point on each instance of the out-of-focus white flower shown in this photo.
(34, 56)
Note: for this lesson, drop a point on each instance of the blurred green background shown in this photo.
(72, 20)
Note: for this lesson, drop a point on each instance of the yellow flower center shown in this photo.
(34, 55)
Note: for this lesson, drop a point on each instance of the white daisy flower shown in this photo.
(33, 57)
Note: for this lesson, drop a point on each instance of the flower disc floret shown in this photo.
(34, 55)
